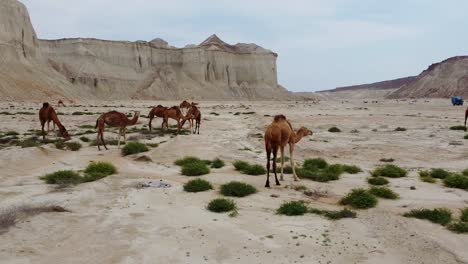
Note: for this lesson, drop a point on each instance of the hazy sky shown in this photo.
(321, 43)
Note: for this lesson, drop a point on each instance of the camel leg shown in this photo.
(120, 134)
(275, 153)
(150, 120)
(291, 157)
(268, 150)
(125, 134)
(48, 125)
(102, 139)
(198, 127)
(98, 141)
(43, 132)
(282, 162)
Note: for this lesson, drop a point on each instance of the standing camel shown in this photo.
(193, 114)
(173, 113)
(157, 111)
(47, 114)
(277, 135)
(114, 119)
(185, 105)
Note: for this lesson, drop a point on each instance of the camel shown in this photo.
(193, 114)
(277, 135)
(47, 114)
(185, 105)
(114, 119)
(60, 103)
(157, 111)
(173, 113)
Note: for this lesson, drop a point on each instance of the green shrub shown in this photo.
(84, 139)
(255, 170)
(441, 216)
(457, 128)
(334, 215)
(11, 133)
(389, 170)
(457, 181)
(240, 165)
(73, 146)
(334, 130)
(377, 181)
(331, 173)
(465, 172)
(237, 189)
(286, 169)
(359, 198)
(439, 173)
(186, 160)
(221, 205)
(292, 208)
(317, 163)
(133, 148)
(459, 227)
(217, 163)
(195, 168)
(59, 144)
(383, 192)
(207, 162)
(98, 170)
(197, 185)
(466, 136)
(464, 214)
(427, 179)
(28, 143)
(351, 169)
(63, 177)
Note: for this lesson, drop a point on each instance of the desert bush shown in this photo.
(286, 169)
(439, 173)
(59, 144)
(330, 173)
(334, 130)
(400, 129)
(255, 169)
(458, 181)
(207, 162)
(237, 189)
(186, 160)
(98, 170)
(427, 179)
(9, 216)
(133, 148)
(334, 215)
(387, 160)
(377, 181)
(28, 143)
(441, 216)
(63, 177)
(217, 163)
(389, 170)
(317, 163)
(240, 165)
(465, 172)
(84, 139)
(197, 185)
(360, 199)
(11, 133)
(73, 146)
(464, 214)
(465, 137)
(221, 205)
(351, 169)
(458, 227)
(457, 128)
(195, 168)
(292, 208)
(383, 192)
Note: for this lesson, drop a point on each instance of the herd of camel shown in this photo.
(277, 135)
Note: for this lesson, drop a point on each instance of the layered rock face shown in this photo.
(100, 69)
(444, 79)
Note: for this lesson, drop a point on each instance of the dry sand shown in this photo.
(114, 222)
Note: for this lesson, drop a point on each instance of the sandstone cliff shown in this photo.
(92, 68)
(444, 79)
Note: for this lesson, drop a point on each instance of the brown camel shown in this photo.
(277, 135)
(184, 105)
(114, 119)
(173, 113)
(47, 114)
(157, 111)
(60, 103)
(193, 114)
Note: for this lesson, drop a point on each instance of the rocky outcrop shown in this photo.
(444, 79)
(101, 69)
(385, 85)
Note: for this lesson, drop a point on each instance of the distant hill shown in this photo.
(385, 85)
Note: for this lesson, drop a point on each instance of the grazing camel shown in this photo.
(157, 111)
(173, 113)
(277, 135)
(47, 114)
(193, 114)
(60, 103)
(114, 119)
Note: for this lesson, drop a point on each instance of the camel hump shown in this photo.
(159, 106)
(279, 118)
(174, 107)
(45, 105)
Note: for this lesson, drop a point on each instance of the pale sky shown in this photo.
(321, 44)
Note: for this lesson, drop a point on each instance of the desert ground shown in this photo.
(114, 221)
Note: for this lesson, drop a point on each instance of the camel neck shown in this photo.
(298, 137)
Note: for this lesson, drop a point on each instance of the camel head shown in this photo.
(64, 133)
(304, 131)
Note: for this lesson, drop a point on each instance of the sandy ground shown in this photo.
(111, 221)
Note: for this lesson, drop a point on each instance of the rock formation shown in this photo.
(92, 68)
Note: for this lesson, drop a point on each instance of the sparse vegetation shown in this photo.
(84, 139)
(387, 160)
(383, 192)
(439, 173)
(59, 144)
(317, 163)
(286, 169)
(237, 189)
(11, 133)
(377, 181)
(195, 168)
(400, 129)
(63, 177)
(440, 216)
(28, 143)
(334, 215)
(133, 148)
(427, 179)
(319, 170)
(197, 185)
(351, 169)
(221, 205)
(457, 128)
(250, 169)
(464, 214)
(9, 216)
(334, 130)
(292, 208)
(360, 199)
(458, 181)
(98, 170)
(217, 163)
(73, 146)
(390, 171)
(458, 227)
(465, 137)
